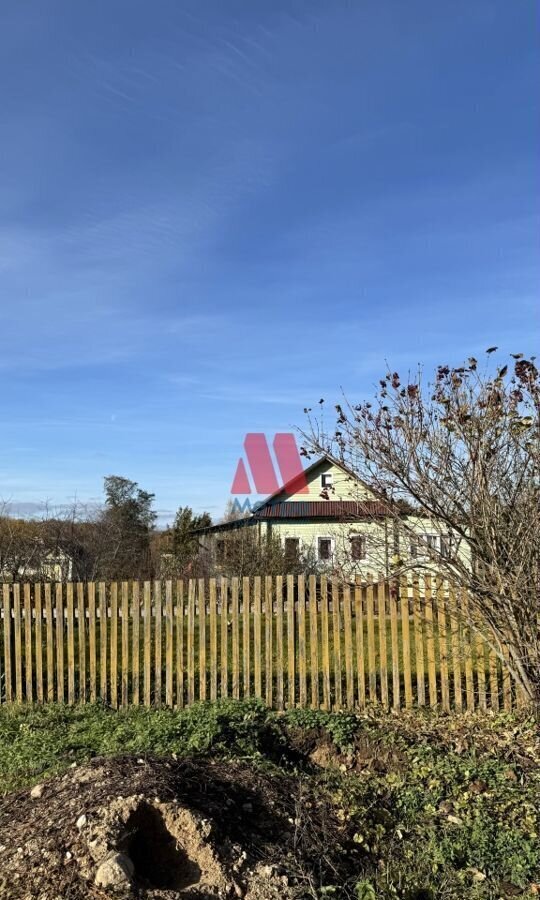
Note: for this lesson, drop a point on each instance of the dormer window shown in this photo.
(326, 480)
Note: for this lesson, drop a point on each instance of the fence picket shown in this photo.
(135, 643)
(280, 699)
(456, 649)
(28, 663)
(124, 688)
(50, 642)
(325, 643)
(246, 640)
(336, 645)
(383, 659)
(290, 642)
(443, 645)
(418, 643)
(212, 612)
(313, 642)
(158, 641)
(103, 654)
(191, 641)
(493, 681)
(7, 644)
(147, 652)
(169, 644)
(480, 669)
(39, 645)
(201, 598)
(257, 637)
(268, 648)
(180, 643)
(81, 642)
(430, 643)
(506, 682)
(92, 657)
(235, 618)
(70, 641)
(224, 637)
(359, 634)
(302, 646)
(113, 669)
(406, 642)
(17, 639)
(467, 643)
(347, 636)
(394, 638)
(370, 616)
(59, 644)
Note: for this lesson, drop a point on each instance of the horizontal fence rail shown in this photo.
(307, 641)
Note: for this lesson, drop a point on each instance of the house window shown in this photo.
(358, 547)
(446, 545)
(326, 480)
(431, 543)
(324, 545)
(292, 549)
(220, 551)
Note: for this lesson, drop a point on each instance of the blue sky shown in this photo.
(213, 214)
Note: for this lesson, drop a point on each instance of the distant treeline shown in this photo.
(119, 540)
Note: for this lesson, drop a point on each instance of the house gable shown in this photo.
(341, 485)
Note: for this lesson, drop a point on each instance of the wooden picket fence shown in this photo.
(307, 641)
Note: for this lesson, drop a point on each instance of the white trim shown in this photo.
(422, 540)
(326, 475)
(326, 537)
(291, 537)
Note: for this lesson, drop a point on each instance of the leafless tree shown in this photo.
(81, 542)
(243, 552)
(464, 451)
(40, 548)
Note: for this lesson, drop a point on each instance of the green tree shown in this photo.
(184, 543)
(127, 522)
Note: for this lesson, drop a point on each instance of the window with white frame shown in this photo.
(324, 548)
(326, 480)
(358, 547)
(424, 545)
(292, 549)
(446, 544)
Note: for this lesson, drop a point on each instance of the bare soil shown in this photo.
(184, 829)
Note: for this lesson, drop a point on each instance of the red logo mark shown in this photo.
(262, 467)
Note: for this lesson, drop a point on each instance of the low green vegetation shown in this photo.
(441, 806)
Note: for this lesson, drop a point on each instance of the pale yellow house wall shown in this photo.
(383, 549)
(423, 525)
(378, 541)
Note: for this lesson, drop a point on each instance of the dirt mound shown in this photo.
(154, 828)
